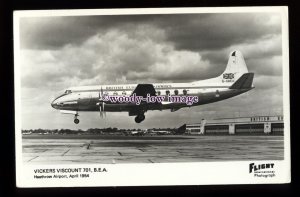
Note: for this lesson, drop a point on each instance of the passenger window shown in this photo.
(176, 92)
(184, 92)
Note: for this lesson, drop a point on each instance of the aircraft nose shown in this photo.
(54, 103)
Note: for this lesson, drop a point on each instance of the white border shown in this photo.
(199, 173)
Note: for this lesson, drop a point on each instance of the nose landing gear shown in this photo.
(76, 120)
(139, 118)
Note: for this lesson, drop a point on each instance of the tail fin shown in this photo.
(236, 67)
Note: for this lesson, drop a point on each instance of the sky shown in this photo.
(62, 51)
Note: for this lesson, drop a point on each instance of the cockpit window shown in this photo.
(68, 91)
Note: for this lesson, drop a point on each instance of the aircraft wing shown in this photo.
(144, 89)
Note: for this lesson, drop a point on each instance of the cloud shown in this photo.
(188, 31)
(57, 31)
(103, 58)
(264, 82)
(263, 57)
(218, 31)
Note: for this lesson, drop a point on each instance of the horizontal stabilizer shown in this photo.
(244, 82)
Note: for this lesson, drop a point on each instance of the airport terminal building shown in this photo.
(238, 126)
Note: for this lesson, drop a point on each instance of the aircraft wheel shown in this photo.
(76, 121)
(139, 118)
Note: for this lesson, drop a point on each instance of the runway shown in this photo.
(61, 149)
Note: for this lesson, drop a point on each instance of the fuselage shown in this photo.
(86, 98)
(233, 81)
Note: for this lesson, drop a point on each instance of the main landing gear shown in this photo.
(139, 118)
(76, 120)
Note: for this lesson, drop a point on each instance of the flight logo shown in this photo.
(264, 170)
(228, 77)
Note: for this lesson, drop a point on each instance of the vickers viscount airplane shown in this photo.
(233, 81)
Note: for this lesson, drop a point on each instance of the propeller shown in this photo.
(101, 104)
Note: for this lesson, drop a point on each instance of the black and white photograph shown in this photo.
(102, 93)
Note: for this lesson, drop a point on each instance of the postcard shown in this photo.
(142, 97)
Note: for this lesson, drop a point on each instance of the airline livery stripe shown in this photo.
(170, 88)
